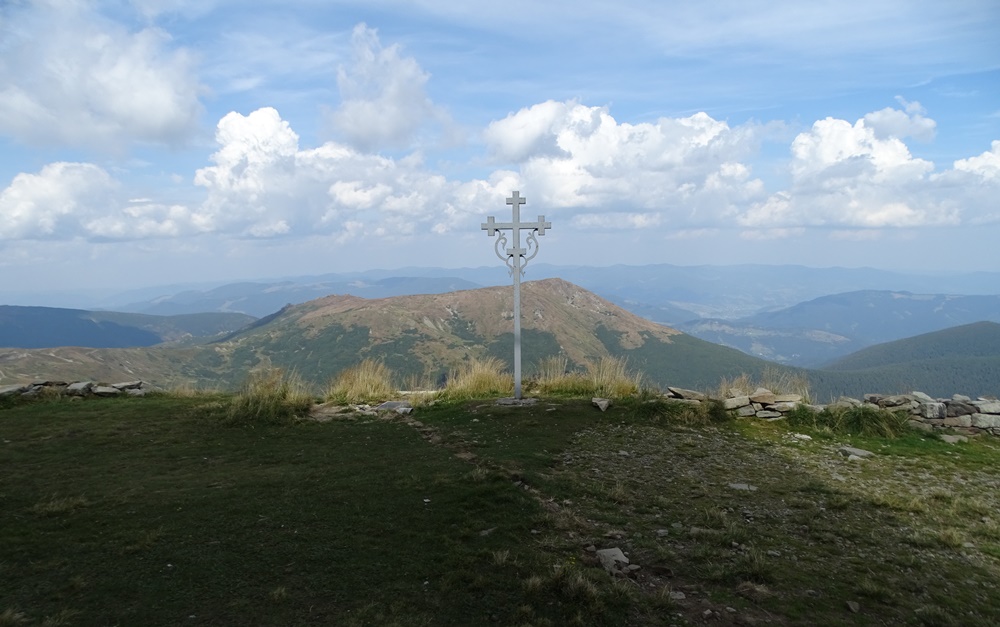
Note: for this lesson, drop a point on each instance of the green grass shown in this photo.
(368, 382)
(150, 511)
(269, 396)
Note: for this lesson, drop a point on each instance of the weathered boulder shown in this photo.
(986, 406)
(763, 396)
(80, 388)
(848, 451)
(688, 394)
(960, 408)
(985, 421)
(958, 421)
(105, 390)
(920, 396)
(736, 402)
(787, 398)
(11, 390)
(601, 403)
(933, 409)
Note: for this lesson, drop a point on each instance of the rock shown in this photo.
(400, 407)
(612, 559)
(920, 396)
(136, 392)
(764, 397)
(960, 397)
(920, 426)
(677, 595)
(958, 421)
(736, 402)
(128, 385)
(933, 409)
(746, 412)
(80, 388)
(847, 451)
(688, 394)
(985, 421)
(959, 408)
(854, 606)
(783, 406)
(105, 390)
(787, 398)
(746, 487)
(662, 533)
(801, 436)
(987, 407)
(848, 401)
(516, 402)
(893, 401)
(11, 390)
(766, 413)
(601, 403)
(954, 439)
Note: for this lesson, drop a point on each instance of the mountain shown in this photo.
(44, 327)
(664, 293)
(261, 299)
(420, 337)
(963, 359)
(826, 328)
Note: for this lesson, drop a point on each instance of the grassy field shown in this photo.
(162, 511)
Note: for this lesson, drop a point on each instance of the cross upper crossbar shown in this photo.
(491, 226)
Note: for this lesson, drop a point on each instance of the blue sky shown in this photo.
(168, 141)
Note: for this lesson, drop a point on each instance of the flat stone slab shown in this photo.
(516, 402)
(10, 390)
(848, 451)
(612, 559)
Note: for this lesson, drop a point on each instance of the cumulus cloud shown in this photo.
(909, 122)
(986, 165)
(70, 76)
(263, 184)
(679, 172)
(383, 99)
(850, 175)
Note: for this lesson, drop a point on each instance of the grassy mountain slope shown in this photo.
(421, 337)
(45, 327)
(964, 359)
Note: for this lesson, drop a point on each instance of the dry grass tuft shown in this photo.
(269, 396)
(60, 505)
(778, 380)
(368, 382)
(555, 378)
(611, 378)
(479, 378)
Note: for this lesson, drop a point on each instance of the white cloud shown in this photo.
(684, 170)
(986, 165)
(48, 205)
(72, 77)
(910, 122)
(383, 100)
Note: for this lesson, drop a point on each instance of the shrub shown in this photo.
(269, 396)
(479, 378)
(863, 420)
(367, 382)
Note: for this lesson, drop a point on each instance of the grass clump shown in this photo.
(555, 378)
(863, 420)
(479, 378)
(269, 396)
(777, 380)
(369, 381)
(611, 378)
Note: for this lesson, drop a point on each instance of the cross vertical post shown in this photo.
(516, 259)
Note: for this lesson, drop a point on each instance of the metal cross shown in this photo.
(516, 259)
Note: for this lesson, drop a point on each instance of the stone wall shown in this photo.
(76, 389)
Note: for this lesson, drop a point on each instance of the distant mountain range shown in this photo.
(822, 330)
(45, 327)
(423, 337)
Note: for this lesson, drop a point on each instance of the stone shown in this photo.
(688, 394)
(960, 397)
(601, 403)
(764, 398)
(847, 451)
(766, 413)
(954, 439)
(848, 401)
(516, 402)
(985, 421)
(933, 409)
(80, 388)
(920, 396)
(893, 401)
(787, 398)
(960, 408)
(987, 407)
(677, 595)
(854, 606)
(11, 390)
(746, 412)
(612, 559)
(136, 392)
(736, 402)
(783, 406)
(128, 385)
(745, 487)
(958, 421)
(105, 390)
(400, 407)
(920, 425)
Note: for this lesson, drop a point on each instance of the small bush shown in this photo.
(369, 381)
(269, 396)
(479, 378)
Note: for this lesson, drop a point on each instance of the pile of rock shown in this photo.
(76, 388)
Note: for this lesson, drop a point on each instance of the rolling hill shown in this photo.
(47, 327)
(824, 329)
(421, 336)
